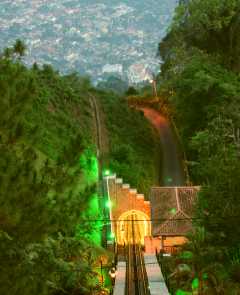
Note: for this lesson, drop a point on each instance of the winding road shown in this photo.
(172, 172)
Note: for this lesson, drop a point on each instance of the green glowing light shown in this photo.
(95, 229)
(181, 292)
(173, 211)
(205, 276)
(195, 284)
(89, 164)
(106, 172)
(109, 204)
(112, 235)
(186, 255)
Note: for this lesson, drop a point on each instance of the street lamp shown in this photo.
(109, 203)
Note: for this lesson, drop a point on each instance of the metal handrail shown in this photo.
(136, 276)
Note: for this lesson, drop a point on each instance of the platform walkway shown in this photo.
(120, 281)
(156, 281)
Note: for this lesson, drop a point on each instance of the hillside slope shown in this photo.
(48, 177)
(200, 78)
(49, 207)
(134, 151)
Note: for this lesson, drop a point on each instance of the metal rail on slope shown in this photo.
(136, 277)
(142, 280)
(101, 187)
(129, 289)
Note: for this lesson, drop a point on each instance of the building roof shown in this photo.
(172, 209)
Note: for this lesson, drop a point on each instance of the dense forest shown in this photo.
(49, 176)
(200, 81)
(49, 160)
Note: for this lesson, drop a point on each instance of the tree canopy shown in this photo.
(200, 73)
(48, 177)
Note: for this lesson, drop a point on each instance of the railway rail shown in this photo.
(136, 276)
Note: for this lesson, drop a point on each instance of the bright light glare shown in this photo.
(173, 211)
(109, 204)
(106, 172)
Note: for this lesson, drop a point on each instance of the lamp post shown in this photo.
(109, 203)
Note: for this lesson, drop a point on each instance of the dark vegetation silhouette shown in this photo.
(200, 73)
(49, 175)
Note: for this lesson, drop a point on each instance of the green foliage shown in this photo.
(16, 52)
(200, 74)
(114, 84)
(48, 176)
(53, 266)
(131, 91)
(181, 292)
(212, 27)
(19, 48)
(133, 146)
(205, 95)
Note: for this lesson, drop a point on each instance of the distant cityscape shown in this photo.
(95, 38)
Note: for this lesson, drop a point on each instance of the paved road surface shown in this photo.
(172, 169)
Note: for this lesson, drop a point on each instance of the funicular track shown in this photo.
(136, 276)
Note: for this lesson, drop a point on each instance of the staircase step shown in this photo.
(140, 196)
(133, 191)
(119, 181)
